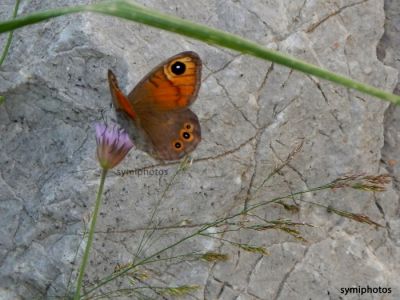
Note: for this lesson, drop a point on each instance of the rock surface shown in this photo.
(252, 113)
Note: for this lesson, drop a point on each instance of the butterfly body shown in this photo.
(159, 106)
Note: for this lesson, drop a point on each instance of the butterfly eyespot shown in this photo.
(177, 145)
(188, 127)
(186, 136)
(178, 68)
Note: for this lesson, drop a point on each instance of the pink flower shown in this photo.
(113, 144)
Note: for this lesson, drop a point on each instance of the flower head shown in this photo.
(113, 143)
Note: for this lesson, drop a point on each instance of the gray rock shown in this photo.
(252, 114)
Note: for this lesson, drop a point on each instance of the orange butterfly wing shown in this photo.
(158, 105)
(173, 85)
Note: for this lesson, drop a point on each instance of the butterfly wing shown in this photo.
(171, 135)
(171, 86)
(121, 103)
(158, 105)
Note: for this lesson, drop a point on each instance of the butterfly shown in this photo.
(158, 106)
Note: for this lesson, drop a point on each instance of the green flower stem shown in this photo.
(129, 10)
(91, 235)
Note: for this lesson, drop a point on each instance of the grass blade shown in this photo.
(131, 11)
